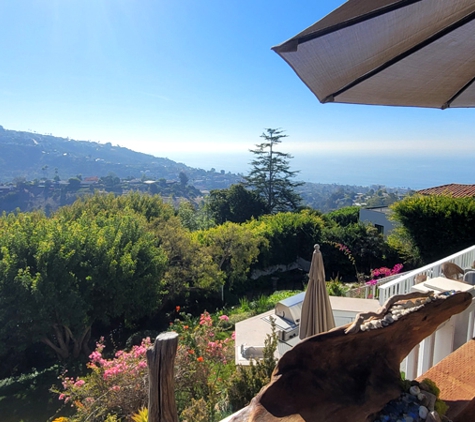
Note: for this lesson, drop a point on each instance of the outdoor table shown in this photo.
(443, 284)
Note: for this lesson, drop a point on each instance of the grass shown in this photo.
(261, 304)
(27, 398)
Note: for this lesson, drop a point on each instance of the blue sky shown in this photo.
(189, 80)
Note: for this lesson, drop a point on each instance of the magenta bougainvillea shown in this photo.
(382, 272)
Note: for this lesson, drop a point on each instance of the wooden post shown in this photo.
(161, 396)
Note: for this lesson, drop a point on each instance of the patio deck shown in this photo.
(455, 377)
(253, 331)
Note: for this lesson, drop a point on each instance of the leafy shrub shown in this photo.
(204, 363)
(336, 288)
(196, 412)
(438, 225)
(289, 236)
(261, 304)
(116, 387)
(281, 295)
(344, 216)
(356, 248)
(141, 415)
(13, 385)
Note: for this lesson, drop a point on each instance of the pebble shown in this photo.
(433, 417)
(410, 408)
(428, 399)
(414, 390)
(423, 412)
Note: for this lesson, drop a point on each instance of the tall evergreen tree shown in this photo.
(271, 176)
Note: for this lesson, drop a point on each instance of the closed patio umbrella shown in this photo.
(317, 314)
(389, 52)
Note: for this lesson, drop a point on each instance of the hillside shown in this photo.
(27, 156)
(30, 156)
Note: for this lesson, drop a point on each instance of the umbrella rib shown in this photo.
(293, 43)
(398, 58)
(458, 93)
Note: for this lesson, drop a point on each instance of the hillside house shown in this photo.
(454, 190)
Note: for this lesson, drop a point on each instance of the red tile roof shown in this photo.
(454, 190)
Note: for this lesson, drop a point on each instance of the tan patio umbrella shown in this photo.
(389, 52)
(317, 314)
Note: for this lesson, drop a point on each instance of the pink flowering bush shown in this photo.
(115, 387)
(204, 363)
(383, 272)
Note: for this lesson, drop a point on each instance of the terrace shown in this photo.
(449, 336)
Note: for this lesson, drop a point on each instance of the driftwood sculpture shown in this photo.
(351, 372)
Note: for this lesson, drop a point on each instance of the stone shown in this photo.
(423, 412)
(433, 417)
(414, 390)
(345, 374)
(424, 400)
(429, 400)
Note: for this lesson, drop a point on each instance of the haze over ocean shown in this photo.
(199, 77)
(405, 172)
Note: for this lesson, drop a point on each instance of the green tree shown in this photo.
(58, 277)
(190, 266)
(366, 245)
(183, 178)
(437, 225)
(196, 217)
(111, 182)
(344, 216)
(236, 204)
(288, 235)
(74, 183)
(270, 175)
(233, 247)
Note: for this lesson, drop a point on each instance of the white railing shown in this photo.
(371, 291)
(403, 284)
(448, 337)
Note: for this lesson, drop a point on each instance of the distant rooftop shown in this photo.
(455, 190)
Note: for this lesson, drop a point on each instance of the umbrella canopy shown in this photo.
(389, 52)
(317, 314)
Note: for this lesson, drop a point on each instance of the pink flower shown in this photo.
(233, 335)
(205, 319)
(396, 268)
(224, 318)
(62, 396)
(79, 383)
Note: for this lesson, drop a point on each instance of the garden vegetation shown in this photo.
(111, 266)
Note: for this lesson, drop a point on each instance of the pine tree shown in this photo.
(271, 176)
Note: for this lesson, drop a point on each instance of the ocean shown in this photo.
(404, 172)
